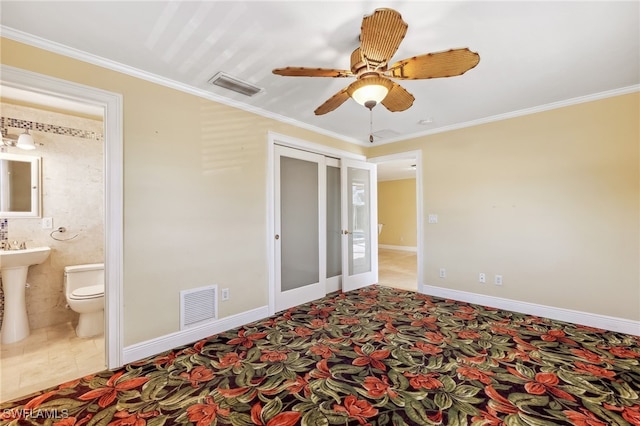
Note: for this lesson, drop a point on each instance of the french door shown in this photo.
(306, 250)
(300, 227)
(359, 224)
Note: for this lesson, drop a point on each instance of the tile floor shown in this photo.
(48, 357)
(398, 269)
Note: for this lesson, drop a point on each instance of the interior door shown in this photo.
(360, 224)
(300, 227)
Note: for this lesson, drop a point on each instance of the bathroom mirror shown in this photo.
(19, 185)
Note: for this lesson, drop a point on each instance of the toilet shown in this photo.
(84, 290)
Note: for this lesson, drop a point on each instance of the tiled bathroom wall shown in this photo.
(3, 230)
(72, 162)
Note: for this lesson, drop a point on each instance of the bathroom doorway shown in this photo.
(23, 368)
(400, 220)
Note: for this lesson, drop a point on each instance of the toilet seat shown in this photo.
(89, 292)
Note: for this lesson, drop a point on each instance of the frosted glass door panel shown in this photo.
(300, 246)
(359, 221)
(334, 224)
(299, 223)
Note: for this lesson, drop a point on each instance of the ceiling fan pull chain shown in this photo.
(371, 125)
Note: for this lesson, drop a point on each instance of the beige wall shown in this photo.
(73, 196)
(397, 212)
(194, 193)
(549, 200)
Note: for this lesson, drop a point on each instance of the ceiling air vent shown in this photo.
(385, 134)
(232, 83)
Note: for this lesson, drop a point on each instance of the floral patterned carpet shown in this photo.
(375, 356)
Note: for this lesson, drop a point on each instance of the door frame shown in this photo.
(292, 297)
(273, 139)
(113, 184)
(417, 156)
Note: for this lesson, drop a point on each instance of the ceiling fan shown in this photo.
(380, 36)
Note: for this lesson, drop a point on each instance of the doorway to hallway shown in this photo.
(400, 220)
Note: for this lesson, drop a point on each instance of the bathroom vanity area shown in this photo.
(20, 197)
(14, 267)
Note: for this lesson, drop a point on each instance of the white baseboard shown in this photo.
(334, 284)
(576, 317)
(401, 248)
(164, 343)
(161, 344)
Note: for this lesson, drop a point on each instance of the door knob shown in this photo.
(345, 232)
(277, 237)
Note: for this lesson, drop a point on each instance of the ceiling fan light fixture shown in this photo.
(370, 91)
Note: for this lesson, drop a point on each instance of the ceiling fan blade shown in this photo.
(312, 72)
(398, 99)
(380, 36)
(435, 65)
(332, 103)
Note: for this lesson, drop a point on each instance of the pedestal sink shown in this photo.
(14, 265)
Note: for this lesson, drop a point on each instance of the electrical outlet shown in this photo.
(225, 294)
(498, 280)
(47, 223)
(443, 273)
(482, 278)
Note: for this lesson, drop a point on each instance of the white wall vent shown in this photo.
(233, 83)
(198, 305)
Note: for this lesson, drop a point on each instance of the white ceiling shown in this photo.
(534, 55)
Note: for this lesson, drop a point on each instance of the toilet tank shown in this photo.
(83, 276)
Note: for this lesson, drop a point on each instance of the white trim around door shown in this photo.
(274, 139)
(417, 156)
(113, 122)
(300, 227)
